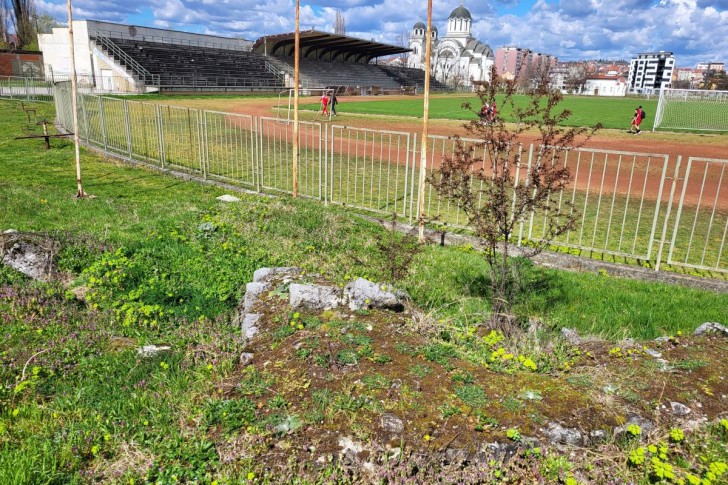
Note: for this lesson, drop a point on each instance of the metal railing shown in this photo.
(244, 45)
(138, 71)
(642, 206)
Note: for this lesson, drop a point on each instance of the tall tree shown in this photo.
(23, 11)
(4, 17)
(578, 75)
(339, 23)
(716, 80)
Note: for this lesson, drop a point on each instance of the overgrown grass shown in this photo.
(163, 262)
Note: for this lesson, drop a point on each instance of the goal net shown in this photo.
(692, 109)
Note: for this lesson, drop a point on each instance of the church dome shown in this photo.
(460, 13)
(419, 25)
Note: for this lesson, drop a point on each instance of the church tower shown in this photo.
(416, 58)
(459, 23)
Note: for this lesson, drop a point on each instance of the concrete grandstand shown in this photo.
(126, 58)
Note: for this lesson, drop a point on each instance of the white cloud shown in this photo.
(694, 30)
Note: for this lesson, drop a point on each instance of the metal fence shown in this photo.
(641, 206)
(41, 88)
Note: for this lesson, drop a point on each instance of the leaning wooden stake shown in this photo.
(74, 92)
(425, 119)
(296, 60)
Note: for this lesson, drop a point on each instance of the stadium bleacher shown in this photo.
(180, 66)
(184, 67)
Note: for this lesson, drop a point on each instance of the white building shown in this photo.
(94, 65)
(457, 59)
(605, 86)
(650, 72)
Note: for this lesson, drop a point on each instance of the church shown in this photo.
(457, 59)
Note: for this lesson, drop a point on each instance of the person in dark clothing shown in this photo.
(333, 102)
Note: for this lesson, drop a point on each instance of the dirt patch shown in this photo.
(373, 377)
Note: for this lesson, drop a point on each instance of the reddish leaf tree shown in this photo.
(494, 185)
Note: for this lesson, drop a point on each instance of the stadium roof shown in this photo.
(324, 46)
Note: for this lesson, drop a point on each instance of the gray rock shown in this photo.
(246, 358)
(557, 434)
(362, 293)
(152, 350)
(708, 328)
(653, 353)
(10, 231)
(252, 293)
(350, 449)
(391, 423)
(679, 409)
(228, 198)
(263, 275)
(29, 259)
(662, 340)
(314, 297)
(646, 427)
(598, 436)
(249, 326)
(499, 451)
(571, 336)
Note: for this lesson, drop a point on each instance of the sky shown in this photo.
(693, 30)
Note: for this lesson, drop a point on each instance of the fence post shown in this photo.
(85, 117)
(127, 124)
(667, 214)
(160, 131)
(528, 171)
(103, 122)
(322, 163)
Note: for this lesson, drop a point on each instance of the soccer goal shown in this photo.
(692, 109)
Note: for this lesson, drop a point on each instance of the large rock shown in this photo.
(391, 423)
(314, 297)
(709, 328)
(252, 294)
(249, 326)
(264, 275)
(29, 259)
(363, 294)
(557, 434)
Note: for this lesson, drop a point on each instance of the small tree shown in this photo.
(490, 184)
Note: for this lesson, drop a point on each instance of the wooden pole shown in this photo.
(425, 121)
(296, 68)
(74, 93)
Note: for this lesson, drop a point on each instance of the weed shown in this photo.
(420, 370)
(471, 395)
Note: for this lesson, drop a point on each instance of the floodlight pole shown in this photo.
(296, 67)
(74, 108)
(425, 120)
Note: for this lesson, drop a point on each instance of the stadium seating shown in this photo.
(193, 67)
(185, 67)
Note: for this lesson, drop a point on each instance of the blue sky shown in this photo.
(694, 30)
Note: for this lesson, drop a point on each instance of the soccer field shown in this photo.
(613, 113)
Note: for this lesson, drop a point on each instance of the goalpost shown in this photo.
(692, 109)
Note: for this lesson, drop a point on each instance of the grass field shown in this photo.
(163, 262)
(612, 113)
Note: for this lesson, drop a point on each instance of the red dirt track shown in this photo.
(672, 144)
